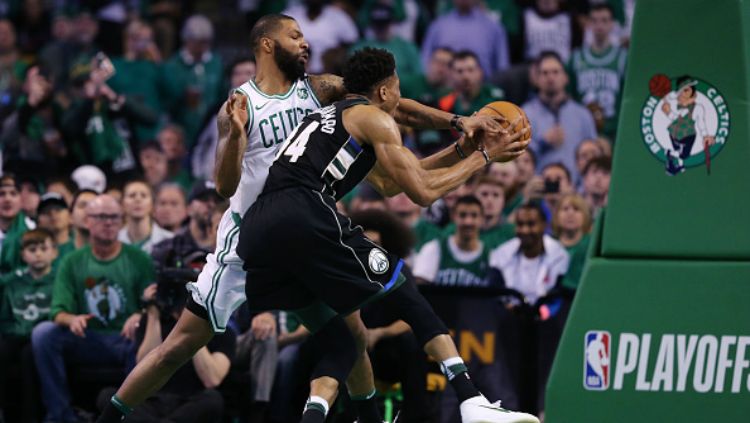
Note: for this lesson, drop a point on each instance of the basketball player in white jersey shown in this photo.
(268, 109)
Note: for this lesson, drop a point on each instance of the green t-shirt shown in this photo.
(455, 272)
(10, 249)
(63, 250)
(577, 260)
(191, 90)
(491, 237)
(405, 53)
(25, 302)
(487, 94)
(512, 205)
(109, 290)
(139, 79)
(424, 232)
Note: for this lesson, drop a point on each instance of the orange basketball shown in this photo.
(509, 111)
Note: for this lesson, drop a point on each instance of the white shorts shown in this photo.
(220, 287)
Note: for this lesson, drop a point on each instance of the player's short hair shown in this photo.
(35, 237)
(366, 68)
(463, 55)
(534, 205)
(468, 200)
(602, 7)
(603, 163)
(265, 27)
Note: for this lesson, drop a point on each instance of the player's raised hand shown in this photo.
(490, 125)
(510, 143)
(237, 111)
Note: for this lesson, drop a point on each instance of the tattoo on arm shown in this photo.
(328, 88)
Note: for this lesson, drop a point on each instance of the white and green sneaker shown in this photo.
(479, 410)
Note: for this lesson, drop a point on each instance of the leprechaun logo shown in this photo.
(684, 122)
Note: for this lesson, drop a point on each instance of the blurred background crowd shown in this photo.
(120, 97)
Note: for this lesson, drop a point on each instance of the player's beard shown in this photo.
(288, 63)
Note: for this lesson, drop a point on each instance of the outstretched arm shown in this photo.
(329, 88)
(231, 121)
(398, 163)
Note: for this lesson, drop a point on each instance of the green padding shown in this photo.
(665, 305)
(691, 214)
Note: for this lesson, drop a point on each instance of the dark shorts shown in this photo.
(300, 254)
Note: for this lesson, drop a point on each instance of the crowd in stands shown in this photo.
(107, 145)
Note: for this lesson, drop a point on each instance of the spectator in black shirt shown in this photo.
(204, 210)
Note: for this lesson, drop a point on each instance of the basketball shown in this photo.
(659, 85)
(510, 112)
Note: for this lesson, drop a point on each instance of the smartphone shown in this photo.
(551, 187)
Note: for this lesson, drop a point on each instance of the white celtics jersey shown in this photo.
(271, 119)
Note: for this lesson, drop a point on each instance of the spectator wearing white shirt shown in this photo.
(325, 27)
(532, 262)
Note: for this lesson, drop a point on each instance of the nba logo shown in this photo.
(596, 360)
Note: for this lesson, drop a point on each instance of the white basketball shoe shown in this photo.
(479, 410)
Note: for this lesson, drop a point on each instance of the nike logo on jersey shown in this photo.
(261, 106)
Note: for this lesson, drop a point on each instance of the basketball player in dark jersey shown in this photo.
(281, 53)
(301, 255)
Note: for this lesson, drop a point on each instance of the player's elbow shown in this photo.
(423, 198)
(212, 381)
(224, 189)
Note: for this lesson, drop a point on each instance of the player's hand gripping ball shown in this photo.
(516, 134)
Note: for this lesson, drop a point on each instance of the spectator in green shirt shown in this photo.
(571, 225)
(470, 94)
(193, 78)
(137, 72)
(54, 216)
(405, 52)
(95, 304)
(13, 223)
(26, 299)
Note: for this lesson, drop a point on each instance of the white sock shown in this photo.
(318, 401)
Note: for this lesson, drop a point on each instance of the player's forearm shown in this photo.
(447, 156)
(416, 115)
(229, 154)
(437, 182)
(210, 368)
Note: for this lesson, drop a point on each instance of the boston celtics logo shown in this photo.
(684, 122)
